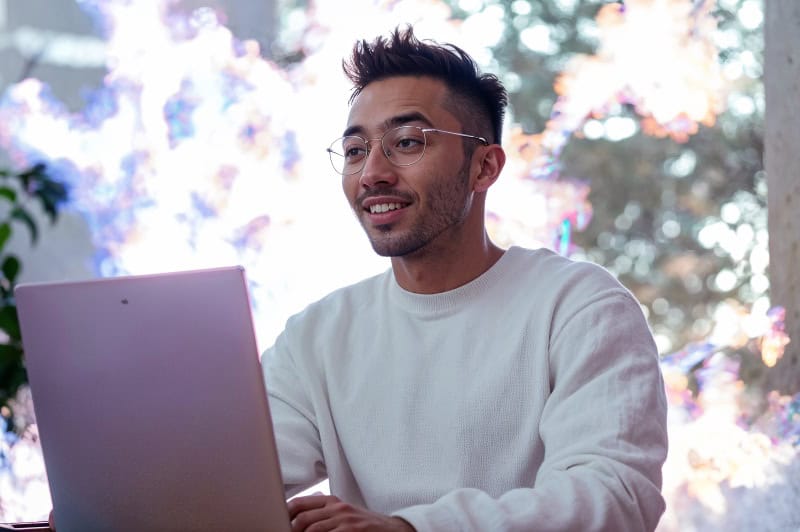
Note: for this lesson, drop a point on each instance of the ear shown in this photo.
(492, 159)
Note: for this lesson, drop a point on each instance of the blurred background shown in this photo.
(141, 136)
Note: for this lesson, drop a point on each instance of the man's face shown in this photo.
(414, 208)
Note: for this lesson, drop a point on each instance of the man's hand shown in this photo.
(322, 513)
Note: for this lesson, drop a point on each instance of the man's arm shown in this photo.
(296, 433)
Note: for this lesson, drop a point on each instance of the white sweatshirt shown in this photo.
(528, 399)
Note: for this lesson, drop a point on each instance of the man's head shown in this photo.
(477, 100)
(420, 148)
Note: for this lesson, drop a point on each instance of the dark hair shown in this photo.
(477, 100)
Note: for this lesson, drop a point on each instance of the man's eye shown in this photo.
(409, 143)
(354, 152)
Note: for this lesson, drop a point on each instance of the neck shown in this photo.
(431, 271)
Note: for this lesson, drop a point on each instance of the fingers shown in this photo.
(313, 513)
(309, 502)
(324, 513)
(319, 520)
(319, 513)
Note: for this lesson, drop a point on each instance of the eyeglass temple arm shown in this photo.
(434, 130)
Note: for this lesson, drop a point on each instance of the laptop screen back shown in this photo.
(150, 403)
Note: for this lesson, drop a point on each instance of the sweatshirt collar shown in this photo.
(444, 303)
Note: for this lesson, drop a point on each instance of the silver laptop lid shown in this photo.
(151, 404)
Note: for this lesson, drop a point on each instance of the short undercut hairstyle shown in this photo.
(478, 100)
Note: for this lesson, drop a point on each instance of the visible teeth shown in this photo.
(384, 207)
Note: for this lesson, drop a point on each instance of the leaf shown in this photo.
(12, 371)
(9, 194)
(51, 194)
(11, 267)
(5, 233)
(9, 322)
(10, 351)
(33, 173)
(19, 213)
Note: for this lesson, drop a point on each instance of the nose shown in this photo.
(377, 167)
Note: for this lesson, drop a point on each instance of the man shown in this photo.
(469, 387)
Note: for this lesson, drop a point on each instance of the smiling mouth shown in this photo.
(385, 207)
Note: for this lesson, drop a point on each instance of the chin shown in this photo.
(396, 249)
(385, 249)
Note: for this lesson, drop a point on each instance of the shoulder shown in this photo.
(559, 275)
(343, 303)
(563, 291)
(318, 325)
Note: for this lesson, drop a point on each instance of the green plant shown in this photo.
(17, 189)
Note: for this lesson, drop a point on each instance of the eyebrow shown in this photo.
(394, 121)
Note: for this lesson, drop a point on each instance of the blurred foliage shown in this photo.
(17, 189)
(683, 225)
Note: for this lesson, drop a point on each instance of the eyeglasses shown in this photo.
(403, 146)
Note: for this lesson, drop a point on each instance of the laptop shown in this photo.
(151, 405)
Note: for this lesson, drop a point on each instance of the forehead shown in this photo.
(382, 102)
